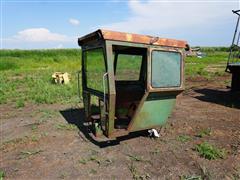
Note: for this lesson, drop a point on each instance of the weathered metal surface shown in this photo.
(87, 105)
(153, 113)
(112, 90)
(136, 38)
(152, 105)
(129, 37)
(235, 84)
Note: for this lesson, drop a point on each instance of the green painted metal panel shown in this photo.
(166, 69)
(154, 112)
(112, 90)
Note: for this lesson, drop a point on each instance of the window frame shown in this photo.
(170, 88)
(116, 65)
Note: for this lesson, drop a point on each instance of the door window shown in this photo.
(166, 69)
(95, 69)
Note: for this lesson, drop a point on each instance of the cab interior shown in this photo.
(130, 71)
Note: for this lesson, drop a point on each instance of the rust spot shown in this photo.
(137, 38)
(129, 37)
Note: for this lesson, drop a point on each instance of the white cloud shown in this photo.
(37, 38)
(166, 17)
(38, 35)
(74, 22)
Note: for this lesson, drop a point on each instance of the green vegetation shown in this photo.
(96, 159)
(212, 65)
(191, 178)
(133, 171)
(25, 154)
(35, 138)
(34, 126)
(20, 103)
(135, 157)
(214, 49)
(2, 174)
(47, 114)
(22, 140)
(69, 127)
(6, 65)
(204, 132)
(14, 141)
(83, 161)
(93, 171)
(25, 75)
(136, 174)
(64, 175)
(209, 151)
(184, 138)
(156, 151)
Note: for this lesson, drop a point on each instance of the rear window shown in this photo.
(128, 67)
(166, 69)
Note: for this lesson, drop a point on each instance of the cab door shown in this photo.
(95, 87)
(165, 82)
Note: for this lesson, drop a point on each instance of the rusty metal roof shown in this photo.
(134, 38)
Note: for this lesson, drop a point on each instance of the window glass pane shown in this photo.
(166, 69)
(95, 69)
(128, 67)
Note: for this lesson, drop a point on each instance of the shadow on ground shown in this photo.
(225, 98)
(76, 117)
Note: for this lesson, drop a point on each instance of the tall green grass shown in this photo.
(202, 66)
(7, 64)
(26, 74)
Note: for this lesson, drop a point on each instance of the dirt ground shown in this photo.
(38, 143)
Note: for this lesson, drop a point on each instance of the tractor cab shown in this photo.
(129, 81)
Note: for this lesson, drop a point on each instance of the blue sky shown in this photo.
(57, 24)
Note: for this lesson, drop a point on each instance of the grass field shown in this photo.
(25, 75)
